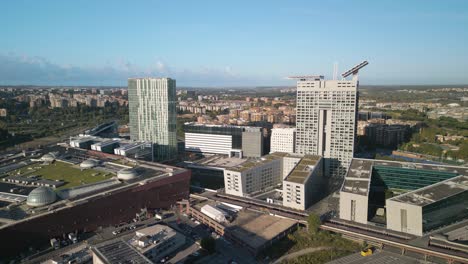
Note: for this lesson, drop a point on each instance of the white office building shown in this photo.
(152, 110)
(224, 139)
(283, 140)
(302, 185)
(208, 143)
(300, 176)
(326, 120)
(253, 176)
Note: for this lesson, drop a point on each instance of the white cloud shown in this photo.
(23, 69)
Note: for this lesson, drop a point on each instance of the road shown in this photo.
(300, 253)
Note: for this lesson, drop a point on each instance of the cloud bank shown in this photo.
(28, 70)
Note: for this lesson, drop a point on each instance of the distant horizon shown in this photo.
(239, 87)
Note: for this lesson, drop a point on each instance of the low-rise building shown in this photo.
(158, 241)
(407, 197)
(301, 185)
(299, 175)
(253, 176)
(223, 139)
(387, 135)
(251, 230)
(428, 208)
(117, 251)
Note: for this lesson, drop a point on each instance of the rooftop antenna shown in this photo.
(354, 71)
(335, 71)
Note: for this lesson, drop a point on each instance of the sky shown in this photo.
(232, 43)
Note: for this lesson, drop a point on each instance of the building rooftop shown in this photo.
(217, 161)
(46, 182)
(82, 186)
(118, 251)
(155, 230)
(253, 228)
(252, 163)
(106, 143)
(128, 146)
(421, 166)
(302, 171)
(212, 125)
(358, 178)
(82, 139)
(152, 236)
(256, 229)
(435, 192)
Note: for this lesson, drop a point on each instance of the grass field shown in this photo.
(301, 239)
(71, 175)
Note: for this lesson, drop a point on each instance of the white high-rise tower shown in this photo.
(326, 120)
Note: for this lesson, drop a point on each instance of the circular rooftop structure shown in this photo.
(41, 196)
(127, 174)
(49, 157)
(88, 164)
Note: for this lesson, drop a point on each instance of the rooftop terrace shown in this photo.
(302, 171)
(251, 163)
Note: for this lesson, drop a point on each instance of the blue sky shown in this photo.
(232, 43)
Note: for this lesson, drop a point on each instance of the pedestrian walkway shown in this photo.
(299, 253)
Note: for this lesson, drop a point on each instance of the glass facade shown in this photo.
(152, 110)
(446, 211)
(409, 179)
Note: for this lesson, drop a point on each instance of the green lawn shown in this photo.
(72, 175)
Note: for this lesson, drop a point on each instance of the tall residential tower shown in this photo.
(326, 121)
(152, 109)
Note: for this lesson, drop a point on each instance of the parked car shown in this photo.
(367, 252)
(72, 238)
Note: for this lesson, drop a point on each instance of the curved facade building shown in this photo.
(86, 214)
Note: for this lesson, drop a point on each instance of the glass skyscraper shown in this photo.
(152, 110)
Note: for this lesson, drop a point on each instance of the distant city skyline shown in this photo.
(241, 43)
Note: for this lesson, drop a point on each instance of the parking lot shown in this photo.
(191, 252)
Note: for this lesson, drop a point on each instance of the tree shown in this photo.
(313, 222)
(208, 244)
